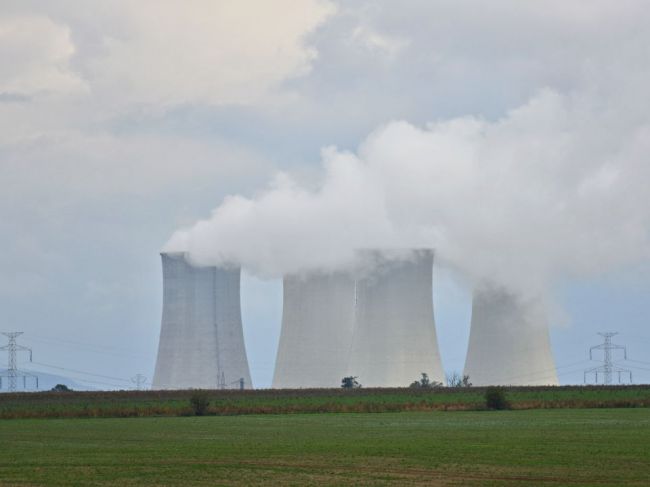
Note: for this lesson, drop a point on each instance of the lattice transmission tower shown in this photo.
(140, 381)
(12, 372)
(608, 368)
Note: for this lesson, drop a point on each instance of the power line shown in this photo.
(637, 361)
(90, 347)
(94, 382)
(636, 367)
(83, 372)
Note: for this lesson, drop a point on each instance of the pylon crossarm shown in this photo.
(20, 348)
(594, 369)
(619, 369)
(28, 374)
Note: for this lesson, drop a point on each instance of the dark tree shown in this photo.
(425, 382)
(199, 402)
(495, 398)
(350, 382)
(61, 388)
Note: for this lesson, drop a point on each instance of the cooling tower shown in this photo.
(394, 337)
(201, 337)
(509, 341)
(317, 321)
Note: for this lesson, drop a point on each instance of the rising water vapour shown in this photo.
(557, 187)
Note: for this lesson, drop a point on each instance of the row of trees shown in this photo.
(453, 380)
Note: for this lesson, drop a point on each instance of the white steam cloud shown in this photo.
(558, 186)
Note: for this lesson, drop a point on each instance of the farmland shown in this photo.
(528, 447)
(229, 402)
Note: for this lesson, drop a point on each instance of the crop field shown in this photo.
(228, 402)
(525, 447)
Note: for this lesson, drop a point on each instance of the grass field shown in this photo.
(225, 402)
(531, 447)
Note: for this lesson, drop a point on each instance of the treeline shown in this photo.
(70, 404)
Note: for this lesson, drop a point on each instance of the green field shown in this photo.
(532, 447)
(227, 402)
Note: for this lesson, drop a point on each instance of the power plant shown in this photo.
(374, 321)
(201, 337)
(509, 341)
(317, 325)
(394, 337)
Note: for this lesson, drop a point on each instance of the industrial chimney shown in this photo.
(201, 337)
(317, 321)
(509, 341)
(394, 336)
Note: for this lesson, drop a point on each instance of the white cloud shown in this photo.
(374, 41)
(158, 53)
(35, 55)
(166, 53)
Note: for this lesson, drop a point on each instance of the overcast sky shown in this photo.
(512, 136)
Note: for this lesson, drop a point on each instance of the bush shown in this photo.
(199, 402)
(61, 388)
(350, 382)
(456, 380)
(425, 383)
(495, 398)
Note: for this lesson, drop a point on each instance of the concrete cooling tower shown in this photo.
(394, 336)
(509, 341)
(201, 337)
(317, 321)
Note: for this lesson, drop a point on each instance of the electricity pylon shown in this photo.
(139, 380)
(608, 366)
(12, 372)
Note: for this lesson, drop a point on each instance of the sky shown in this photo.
(512, 137)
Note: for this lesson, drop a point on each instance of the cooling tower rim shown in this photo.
(184, 256)
(174, 253)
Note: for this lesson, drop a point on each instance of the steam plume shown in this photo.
(556, 187)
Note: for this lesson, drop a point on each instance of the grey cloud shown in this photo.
(14, 98)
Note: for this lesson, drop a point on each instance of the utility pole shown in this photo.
(608, 366)
(222, 381)
(139, 380)
(12, 371)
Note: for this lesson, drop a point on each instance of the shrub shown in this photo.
(61, 388)
(350, 382)
(199, 402)
(495, 398)
(456, 380)
(425, 383)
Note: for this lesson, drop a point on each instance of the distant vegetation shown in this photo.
(199, 401)
(495, 398)
(350, 383)
(456, 380)
(348, 400)
(425, 383)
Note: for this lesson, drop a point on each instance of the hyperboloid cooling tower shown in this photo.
(394, 336)
(509, 341)
(317, 321)
(201, 337)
